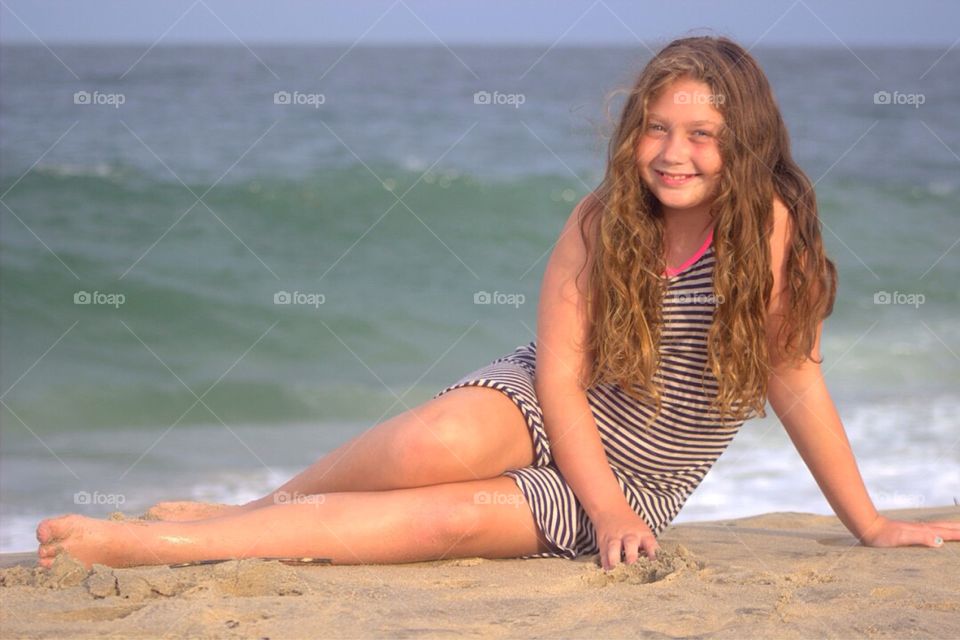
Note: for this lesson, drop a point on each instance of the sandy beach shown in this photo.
(782, 575)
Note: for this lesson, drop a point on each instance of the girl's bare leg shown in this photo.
(487, 518)
(466, 434)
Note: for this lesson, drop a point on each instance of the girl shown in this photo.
(685, 291)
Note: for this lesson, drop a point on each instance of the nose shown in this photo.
(675, 148)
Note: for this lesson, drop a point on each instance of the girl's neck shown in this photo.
(686, 227)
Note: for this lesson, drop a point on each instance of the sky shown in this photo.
(537, 22)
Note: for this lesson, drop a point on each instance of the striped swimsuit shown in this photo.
(657, 468)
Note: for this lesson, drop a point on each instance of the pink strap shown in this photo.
(696, 256)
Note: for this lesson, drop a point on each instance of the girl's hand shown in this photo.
(623, 531)
(897, 533)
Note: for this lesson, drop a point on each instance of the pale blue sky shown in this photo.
(539, 22)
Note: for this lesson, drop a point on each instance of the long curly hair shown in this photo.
(626, 285)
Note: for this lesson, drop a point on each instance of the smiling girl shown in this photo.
(686, 291)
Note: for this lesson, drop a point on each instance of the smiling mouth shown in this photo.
(675, 178)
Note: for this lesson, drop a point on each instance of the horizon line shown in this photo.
(465, 43)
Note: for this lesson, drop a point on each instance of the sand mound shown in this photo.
(669, 564)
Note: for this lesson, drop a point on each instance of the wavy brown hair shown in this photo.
(628, 257)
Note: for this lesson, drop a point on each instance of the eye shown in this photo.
(656, 127)
(702, 133)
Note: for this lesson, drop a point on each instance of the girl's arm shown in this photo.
(800, 399)
(799, 396)
(575, 444)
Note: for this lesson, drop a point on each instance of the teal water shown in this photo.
(302, 200)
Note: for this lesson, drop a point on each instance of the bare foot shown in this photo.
(88, 540)
(184, 510)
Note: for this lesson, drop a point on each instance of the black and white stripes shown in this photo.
(657, 467)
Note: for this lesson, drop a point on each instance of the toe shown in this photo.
(57, 528)
(43, 532)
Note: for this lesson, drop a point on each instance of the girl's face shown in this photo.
(679, 155)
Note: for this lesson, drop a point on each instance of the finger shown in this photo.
(937, 533)
(951, 526)
(651, 547)
(923, 535)
(941, 535)
(611, 556)
(631, 548)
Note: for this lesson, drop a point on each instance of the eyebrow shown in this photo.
(695, 123)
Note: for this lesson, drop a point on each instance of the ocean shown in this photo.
(219, 263)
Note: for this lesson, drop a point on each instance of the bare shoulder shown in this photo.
(780, 302)
(779, 248)
(562, 315)
(572, 248)
(781, 225)
(586, 212)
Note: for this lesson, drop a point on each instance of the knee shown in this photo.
(440, 441)
(450, 522)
